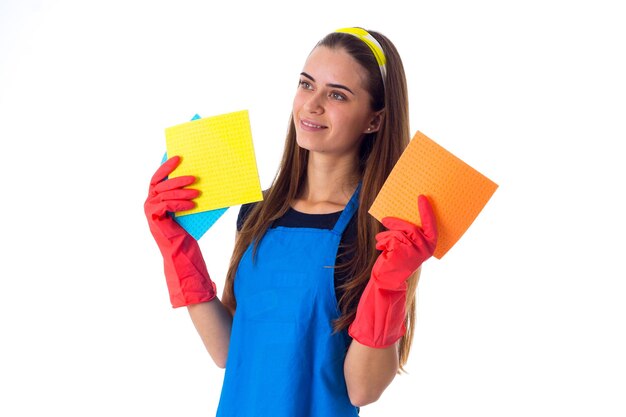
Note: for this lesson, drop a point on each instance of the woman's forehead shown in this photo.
(334, 65)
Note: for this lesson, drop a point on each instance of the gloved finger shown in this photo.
(413, 233)
(173, 183)
(165, 169)
(427, 216)
(391, 240)
(179, 205)
(161, 208)
(409, 229)
(176, 194)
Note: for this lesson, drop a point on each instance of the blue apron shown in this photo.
(284, 359)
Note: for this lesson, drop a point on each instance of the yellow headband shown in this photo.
(373, 44)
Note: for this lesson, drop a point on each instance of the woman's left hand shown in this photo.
(381, 312)
(405, 246)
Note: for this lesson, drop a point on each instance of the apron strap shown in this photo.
(348, 212)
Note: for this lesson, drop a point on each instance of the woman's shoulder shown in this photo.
(244, 210)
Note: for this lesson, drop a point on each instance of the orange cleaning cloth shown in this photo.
(456, 191)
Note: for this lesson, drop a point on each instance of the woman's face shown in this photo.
(331, 109)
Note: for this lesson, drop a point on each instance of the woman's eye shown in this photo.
(304, 84)
(338, 96)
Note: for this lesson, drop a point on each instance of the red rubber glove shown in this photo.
(186, 275)
(380, 315)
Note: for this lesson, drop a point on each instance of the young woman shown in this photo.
(317, 312)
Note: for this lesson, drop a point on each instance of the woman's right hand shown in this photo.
(188, 280)
(167, 196)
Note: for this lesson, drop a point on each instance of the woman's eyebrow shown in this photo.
(333, 85)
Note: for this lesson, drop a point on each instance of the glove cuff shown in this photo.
(186, 275)
(380, 316)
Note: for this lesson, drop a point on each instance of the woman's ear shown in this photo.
(375, 122)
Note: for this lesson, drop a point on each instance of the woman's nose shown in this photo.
(315, 103)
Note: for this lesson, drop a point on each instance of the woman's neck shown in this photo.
(329, 184)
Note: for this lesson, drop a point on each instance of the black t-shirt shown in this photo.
(295, 218)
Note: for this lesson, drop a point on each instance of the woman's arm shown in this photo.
(372, 359)
(187, 278)
(369, 371)
(213, 323)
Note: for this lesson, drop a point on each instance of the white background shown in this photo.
(524, 316)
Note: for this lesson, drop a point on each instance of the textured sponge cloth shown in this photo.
(456, 191)
(219, 152)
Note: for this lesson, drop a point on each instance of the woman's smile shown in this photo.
(311, 126)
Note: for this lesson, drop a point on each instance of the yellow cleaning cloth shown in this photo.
(219, 152)
(456, 191)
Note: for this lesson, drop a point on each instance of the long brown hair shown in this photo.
(378, 154)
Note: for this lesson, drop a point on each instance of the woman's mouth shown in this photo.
(310, 126)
